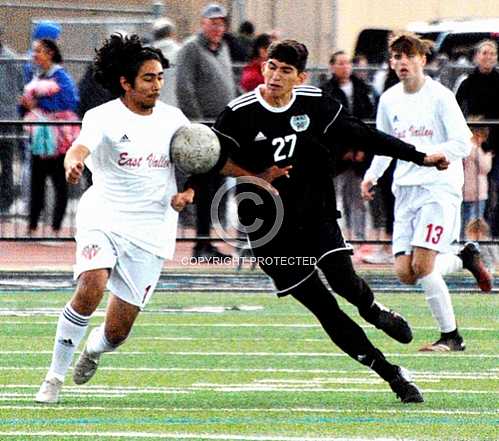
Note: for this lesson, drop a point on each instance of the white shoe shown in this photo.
(85, 368)
(49, 391)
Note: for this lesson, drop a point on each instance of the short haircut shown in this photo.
(410, 44)
(246, 27)
(335, 55)
(51, 45)
(123, 56)
(481, 44)
(261, 41)
(291, 52)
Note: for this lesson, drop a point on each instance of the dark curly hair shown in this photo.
(123, 56)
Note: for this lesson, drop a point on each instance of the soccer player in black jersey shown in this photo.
(292, 136)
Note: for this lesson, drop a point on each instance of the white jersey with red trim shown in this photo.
(431, 120)
(133, 178)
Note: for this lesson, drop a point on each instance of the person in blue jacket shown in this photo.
(50, 95)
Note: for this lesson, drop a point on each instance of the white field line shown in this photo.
(176, 435)
(325, 410)
(234, 325)
(482, 375)
(262, 354)
(103, 390)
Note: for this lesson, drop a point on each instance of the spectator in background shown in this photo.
(360, 65)
(44, 29)
(91, 93)
(11, 86)
(355, 96)
(246, 37)
(238, 53)
(164, 32)
(478, 94)
(204, 86)
(476, 168)
(50, 95)
(382, 205)
(252, 72)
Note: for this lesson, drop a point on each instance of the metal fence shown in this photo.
(14, 220)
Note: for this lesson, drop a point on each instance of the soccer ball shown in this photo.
(195, 149)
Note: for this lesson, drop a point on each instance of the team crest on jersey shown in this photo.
(90, 251)
(300, 123)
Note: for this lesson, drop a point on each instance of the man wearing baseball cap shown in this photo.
(205, 85)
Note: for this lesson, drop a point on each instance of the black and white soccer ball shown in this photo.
(195, 149)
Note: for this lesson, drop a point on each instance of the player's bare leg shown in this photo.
(120, 317)
(71, 328)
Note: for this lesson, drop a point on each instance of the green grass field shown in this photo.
(248, 367)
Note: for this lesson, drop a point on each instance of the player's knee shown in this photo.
(89, 292)
(406, 277)
(420, 269)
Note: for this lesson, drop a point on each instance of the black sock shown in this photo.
(450, 335)
(379, 364)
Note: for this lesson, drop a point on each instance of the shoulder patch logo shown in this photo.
(300, 123)
(260, 137)
(124, 138)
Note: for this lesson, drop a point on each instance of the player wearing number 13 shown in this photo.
(427, 202)
(292, 135)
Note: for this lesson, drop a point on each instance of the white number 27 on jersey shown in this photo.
(281, 143)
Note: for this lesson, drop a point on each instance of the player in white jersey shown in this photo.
(127, 220)
(424, 113)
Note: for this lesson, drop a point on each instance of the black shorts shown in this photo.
(291, 257)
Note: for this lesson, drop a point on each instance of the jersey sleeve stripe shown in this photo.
(309, 89)
(306, 93)
(334, 119)
(244, 103)
(227, 136)
(242, 98)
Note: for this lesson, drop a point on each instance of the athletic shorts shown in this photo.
(424, 219)
(134, 272)
(293, 255)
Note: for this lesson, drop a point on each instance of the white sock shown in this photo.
(447, 263)
(71, 328)
(438, 298)
(97, 343)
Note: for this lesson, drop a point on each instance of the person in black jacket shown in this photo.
(478, 95)
(287, 137)
(356, 97)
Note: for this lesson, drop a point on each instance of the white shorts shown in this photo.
(425, 220)
(134, 272)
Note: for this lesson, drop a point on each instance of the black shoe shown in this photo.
(208, 251)
(405, 389)
(470, 255)
(445, 344)
(390, 322)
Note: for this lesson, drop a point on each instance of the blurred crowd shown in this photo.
(202, 81)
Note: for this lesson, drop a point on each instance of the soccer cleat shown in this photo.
(472, 261)
(390, 322)
(445, 344)
(85, 368)
(49, 391)
(404, 387)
